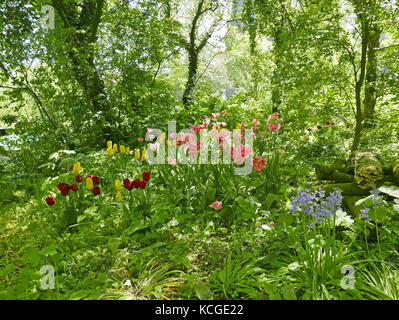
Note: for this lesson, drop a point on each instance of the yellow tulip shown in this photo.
(127, 150)
(122, 148)
(118, 185)
(109, 144)
(119, 196)
(137, 154)
(115, 147)
(238, 126)
(89, 183)
(110, 152)
(76, 167)
(144, 155)
(164, 134)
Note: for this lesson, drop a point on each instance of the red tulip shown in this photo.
(74, 187)
(60, 185)
(136, 183)
(96, 190)
(96, 180)
(130, 186)
(126, 183)
(146, 175)
(318, 127)
(65, 189)
(143, 184)
(50, 200)
(79, 178)
(328, 123)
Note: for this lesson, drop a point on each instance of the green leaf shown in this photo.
(288, 294)
(285, 219)
(138, 224)
(391, 190)
(211, 194)
(67, 163)
(270, 198)
(378, 214)
(203, 292)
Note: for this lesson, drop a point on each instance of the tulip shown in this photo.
(144, 155)
(137, 154)
(146, 175)
(110, 152)
(79, 178)
(118, 185)
(127, 150)
(96, 190)
(136, 183)
(216, 205)
(126, 183)
(238, 126)
(259, 163)
(123, 150)
(65, 189)
(115, 147)
(60, 185)
(89, 183)
(76, 167)
(118, 196)
(142, 184)
(109, 144)
(96, 180)
(50, 200)
(74, 187)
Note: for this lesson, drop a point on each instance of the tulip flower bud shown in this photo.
(118, 185)
(110, 152)
(76, 167)
(89, 183)
(137, 154)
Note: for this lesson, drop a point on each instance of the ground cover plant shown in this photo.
(205, 150)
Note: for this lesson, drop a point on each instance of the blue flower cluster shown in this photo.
(316, 204)
(375, 193)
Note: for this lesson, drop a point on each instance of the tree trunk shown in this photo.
(362, 16)
(80, 48)
(192, 76)
(370, 96)
(368, 169)
(276, 91)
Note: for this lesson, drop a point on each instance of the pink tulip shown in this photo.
(172, 161)
(259, 163)
(216, 205)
